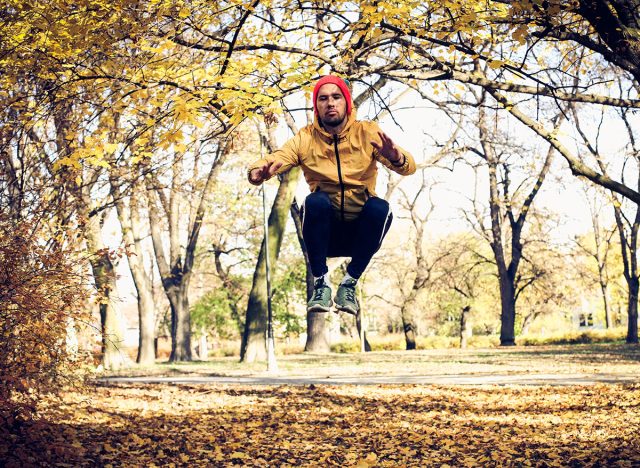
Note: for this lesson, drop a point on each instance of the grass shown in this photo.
(594, 358)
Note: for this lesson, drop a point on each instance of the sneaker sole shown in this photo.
(319, 308)
(348, 310)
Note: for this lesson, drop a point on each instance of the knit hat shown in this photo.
(336, 81)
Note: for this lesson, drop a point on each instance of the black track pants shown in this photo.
(325, 235)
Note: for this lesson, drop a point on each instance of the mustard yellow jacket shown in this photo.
(344, 166)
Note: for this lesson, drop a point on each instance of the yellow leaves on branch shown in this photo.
(170, 137)
(94, 152)
(129, 52)
(187, 111)
(495, 64)
(519, 34)
(134, 54)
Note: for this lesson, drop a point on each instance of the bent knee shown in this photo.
(317, 201)
(376, 207)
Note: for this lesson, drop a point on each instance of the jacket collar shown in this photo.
(342, 135)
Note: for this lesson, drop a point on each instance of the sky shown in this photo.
(415, 127)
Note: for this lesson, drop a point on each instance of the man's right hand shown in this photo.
(265, 172)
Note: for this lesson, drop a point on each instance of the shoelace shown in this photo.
(317, 292)
(349, 293)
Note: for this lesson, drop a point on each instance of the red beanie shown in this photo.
(336, 81)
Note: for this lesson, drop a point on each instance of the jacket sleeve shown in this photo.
(406, 165)
(288, 155)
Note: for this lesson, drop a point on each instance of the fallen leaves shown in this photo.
(356, 426)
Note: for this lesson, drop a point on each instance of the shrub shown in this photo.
(396, 342)
(575, 337)
(346, 347)
(42, 298)
(225, 348)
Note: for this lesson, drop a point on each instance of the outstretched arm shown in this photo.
(264, 172)
(277, 162)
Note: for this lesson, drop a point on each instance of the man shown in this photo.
(342, 217)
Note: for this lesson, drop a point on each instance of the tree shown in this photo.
(133, 231)
(253, 347)
(84, 68)
(508, 268)
(463, 274)
(503, 205)
(423, 265)
(176, 267)
(627, 219)
(598, 246)
(439, 41)
(628, 227)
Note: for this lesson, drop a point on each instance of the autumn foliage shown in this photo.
(41, 303)
(348, 426)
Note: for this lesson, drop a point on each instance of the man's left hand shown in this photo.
(387, 149)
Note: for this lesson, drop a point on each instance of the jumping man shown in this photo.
(342, 217)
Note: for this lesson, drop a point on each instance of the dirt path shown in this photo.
(468, 379)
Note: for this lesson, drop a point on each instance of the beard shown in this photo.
(332, 121)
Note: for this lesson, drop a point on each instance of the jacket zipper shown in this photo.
(335, 147)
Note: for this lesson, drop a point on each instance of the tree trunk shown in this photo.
(254, 344)
(143, 285)
(605, 299)
(180, 324)
(318, 338)
(147, 326)
(362, 334)
(113, 356)
(409, 324)
(132, 233)
(254, 339)
(317, 332)
(508, 311)
(203, 346)
(629, 251)
(632, 311)
(465, 326)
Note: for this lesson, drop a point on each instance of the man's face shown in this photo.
(331, 105)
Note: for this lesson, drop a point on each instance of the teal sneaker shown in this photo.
(321, 298)
(346, 297)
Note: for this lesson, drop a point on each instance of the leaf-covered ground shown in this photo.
(205, 425)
